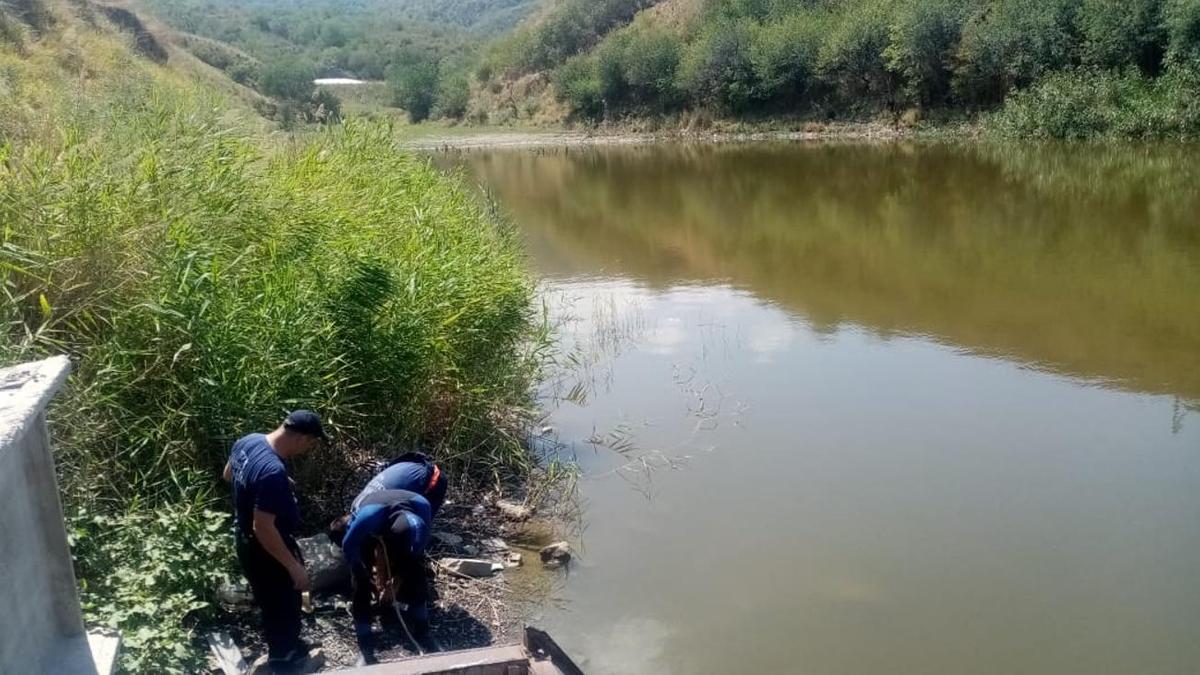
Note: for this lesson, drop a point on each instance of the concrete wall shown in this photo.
(41, 628)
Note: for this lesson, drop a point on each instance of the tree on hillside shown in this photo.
(1183, 32)
(1119, 33)
(414, 83)
(288, 80)
(717, 69)
(1012, 44)
(453, 94)
(923, 38)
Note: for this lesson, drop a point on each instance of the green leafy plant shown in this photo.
(151, 574)
(1090, 104)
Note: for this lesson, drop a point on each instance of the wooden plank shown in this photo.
(486, 661)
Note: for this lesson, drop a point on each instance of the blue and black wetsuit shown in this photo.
(412, 471)
(397, 520)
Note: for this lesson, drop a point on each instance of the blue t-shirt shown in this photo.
(260, 481)
(375, 515)
(411, 476)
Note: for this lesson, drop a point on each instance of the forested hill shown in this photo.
(361, 38)
(1056, 67)
(1053, 68)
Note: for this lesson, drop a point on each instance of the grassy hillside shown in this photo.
(819, 59)
(205, 275)
(261, 43)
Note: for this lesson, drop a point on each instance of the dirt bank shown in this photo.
(465, 139)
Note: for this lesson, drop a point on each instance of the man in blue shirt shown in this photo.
(266, 518)
(388, 530)
(412, 471)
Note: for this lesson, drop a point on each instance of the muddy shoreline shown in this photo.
(484, 139)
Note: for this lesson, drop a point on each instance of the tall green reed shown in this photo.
(204, 279)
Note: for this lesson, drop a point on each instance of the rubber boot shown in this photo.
(418, 622)
(366, 643)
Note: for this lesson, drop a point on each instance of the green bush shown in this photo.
(12, 31)
(325, 107)
(414, 83)
(577, 82)
(151, 573)
(638, 69)
(922, 40)
(652, 65)
(244, 72)
(851, 59)
(1182, 18)
(783, 55)
(1010, 44)
(453, 95)
(567, 29)
(717, 69)
(1090, 104)
(287, 80)
(1120, 33)
(1062, 106)
(732, 10)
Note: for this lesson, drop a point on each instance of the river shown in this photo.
(897, 408)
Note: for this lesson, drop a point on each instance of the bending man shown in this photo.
(412, 471)
(388, 530)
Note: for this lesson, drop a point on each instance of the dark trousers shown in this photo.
(414, 586)
(276, 597)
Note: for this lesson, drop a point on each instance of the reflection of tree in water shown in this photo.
(1082, 260)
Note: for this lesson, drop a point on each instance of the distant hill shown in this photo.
(358, 38)
(484, 17)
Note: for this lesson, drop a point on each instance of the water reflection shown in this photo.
(853, 390)
(1084, 261)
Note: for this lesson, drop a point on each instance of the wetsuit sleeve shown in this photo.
(367, 520)
(419, 531)
(421, 508)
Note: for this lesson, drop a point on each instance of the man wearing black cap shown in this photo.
(266, 519)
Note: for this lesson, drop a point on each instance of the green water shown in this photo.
(873, 408)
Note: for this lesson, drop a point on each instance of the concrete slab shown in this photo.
(41, 629)
(25, 390)
(104, 645)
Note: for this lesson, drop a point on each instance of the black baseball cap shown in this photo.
(305, 422)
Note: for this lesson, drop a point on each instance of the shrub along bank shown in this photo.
(851, 58)
(204, 280)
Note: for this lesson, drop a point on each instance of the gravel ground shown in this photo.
(465, 613)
